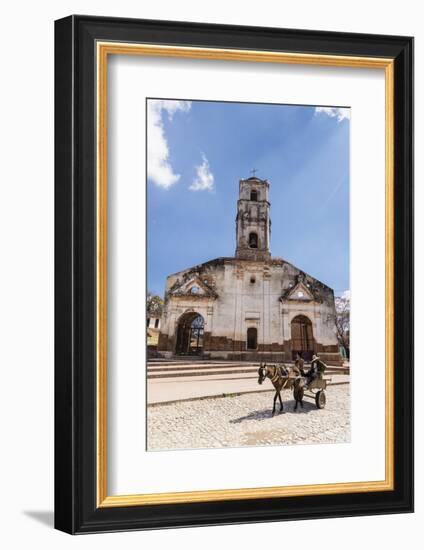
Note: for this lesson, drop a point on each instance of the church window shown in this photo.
(194, 290)
(156, 323)
(253, 195)
(148, 321)
(252, 338)
(253, 279)
(253, 240)
(300, 294)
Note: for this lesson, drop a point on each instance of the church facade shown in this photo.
(251, 306)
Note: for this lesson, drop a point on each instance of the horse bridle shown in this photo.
(262, 372)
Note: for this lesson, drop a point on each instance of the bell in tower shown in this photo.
(253, 224)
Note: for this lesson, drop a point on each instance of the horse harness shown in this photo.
(278, 375)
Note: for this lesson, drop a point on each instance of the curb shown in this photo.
(223, 395)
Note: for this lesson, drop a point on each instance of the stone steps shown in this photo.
(175, 365)
(220, 370)
(200, 373)
(225, 364)
(197, 367)
(213, 377)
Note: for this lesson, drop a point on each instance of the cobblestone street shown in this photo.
(236, 421)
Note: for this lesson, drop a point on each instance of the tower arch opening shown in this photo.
(253, 240)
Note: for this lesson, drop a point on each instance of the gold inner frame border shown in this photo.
(103, 50)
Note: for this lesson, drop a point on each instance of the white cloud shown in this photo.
(204, 179)
(332, 112)
(159, 168)
(343, 294)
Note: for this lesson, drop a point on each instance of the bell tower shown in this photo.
(253, 224)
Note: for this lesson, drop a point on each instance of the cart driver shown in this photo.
(316, 369)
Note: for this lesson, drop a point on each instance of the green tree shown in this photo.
(343, 320)
(154, 305)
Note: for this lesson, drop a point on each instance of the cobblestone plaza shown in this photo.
(244, 420)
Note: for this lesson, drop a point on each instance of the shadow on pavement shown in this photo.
(265, 414)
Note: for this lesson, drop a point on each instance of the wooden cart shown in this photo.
(316, 391)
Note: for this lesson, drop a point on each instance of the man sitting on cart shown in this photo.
(316, 370)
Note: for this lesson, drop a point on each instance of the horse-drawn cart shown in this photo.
(283, 378)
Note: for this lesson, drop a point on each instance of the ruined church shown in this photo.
(251, 306)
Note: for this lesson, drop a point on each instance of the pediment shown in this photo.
(299, 293)
(194, 288)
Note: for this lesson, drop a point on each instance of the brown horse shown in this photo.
(282, 378)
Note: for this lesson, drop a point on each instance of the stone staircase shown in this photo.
(162, 368)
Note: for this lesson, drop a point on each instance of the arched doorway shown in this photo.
(302, 337)
(190, 333)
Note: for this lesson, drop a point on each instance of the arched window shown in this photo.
(253, 240)
(253, 195)
(252, 338)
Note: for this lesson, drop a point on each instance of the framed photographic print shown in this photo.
(234, 269)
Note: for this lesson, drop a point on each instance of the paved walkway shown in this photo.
(245, 420)
(163, 390)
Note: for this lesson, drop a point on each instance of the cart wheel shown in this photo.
(320, 399)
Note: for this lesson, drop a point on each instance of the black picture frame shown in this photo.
(76, 509)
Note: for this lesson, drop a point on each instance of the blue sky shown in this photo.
(198, 151)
